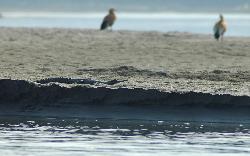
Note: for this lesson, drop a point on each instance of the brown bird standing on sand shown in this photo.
(109, 20)
(220, 28)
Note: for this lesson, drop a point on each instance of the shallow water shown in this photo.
(57, 136)
(238, 24)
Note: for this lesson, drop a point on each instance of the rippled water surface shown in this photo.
(51, 136)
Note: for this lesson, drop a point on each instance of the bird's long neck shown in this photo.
(222, 19)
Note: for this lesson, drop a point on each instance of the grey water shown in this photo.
(216, 6)
(29, 136)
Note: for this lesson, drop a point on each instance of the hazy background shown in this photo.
(195, 16)
(127, 5)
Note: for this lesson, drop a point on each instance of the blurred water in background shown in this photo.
(238, 24)
(193, 16)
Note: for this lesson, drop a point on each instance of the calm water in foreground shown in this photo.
(57, 137)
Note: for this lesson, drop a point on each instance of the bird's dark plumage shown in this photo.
(220, 28)
(104, 25)
(217, 35)
(108, 20)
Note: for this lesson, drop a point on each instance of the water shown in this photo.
(127, 5)
(193, 16)
(56, 136)
(238, 24)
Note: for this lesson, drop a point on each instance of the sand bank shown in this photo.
(164, 61)
(169, 67)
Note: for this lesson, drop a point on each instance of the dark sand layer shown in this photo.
(88, 67)
(52, 100)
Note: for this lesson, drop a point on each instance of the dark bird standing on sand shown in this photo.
(220, 28)
(109, 20)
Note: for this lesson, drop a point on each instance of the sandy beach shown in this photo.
(169, 62)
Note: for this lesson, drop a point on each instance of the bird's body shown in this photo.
(220, 28)
(108, 20)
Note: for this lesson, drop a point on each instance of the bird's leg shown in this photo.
(222, 38)
(109, 29)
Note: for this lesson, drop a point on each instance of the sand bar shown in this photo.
(168, 62)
